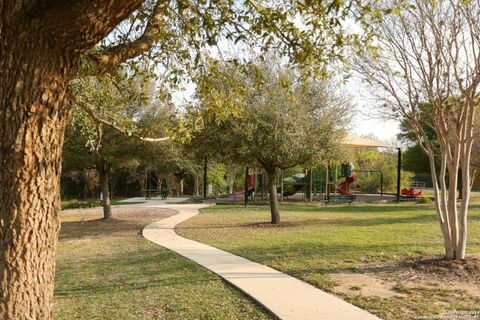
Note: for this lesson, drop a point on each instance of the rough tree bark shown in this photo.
(272, 190)
(104, 174)
(40, 42)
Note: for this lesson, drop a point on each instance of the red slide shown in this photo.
(411, 192)
(342, 188)
(251, 186)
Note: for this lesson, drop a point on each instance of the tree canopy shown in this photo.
(276, 120)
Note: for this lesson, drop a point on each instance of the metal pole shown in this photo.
(381, 184)
(256, 186)
(310, 192)
(399, 172)
(205, 179)
(281, 186)
(327, 191)
(246, 187)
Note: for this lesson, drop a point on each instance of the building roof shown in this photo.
(360, 142)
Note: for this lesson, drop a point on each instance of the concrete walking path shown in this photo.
(283, 295)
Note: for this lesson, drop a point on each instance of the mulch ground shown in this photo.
(439, 267)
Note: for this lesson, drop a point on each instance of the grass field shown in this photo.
(370, 255)
(109, 271)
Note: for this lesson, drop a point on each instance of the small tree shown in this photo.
(126, 110)
(116, 151)
(275, 120)
(427, 71)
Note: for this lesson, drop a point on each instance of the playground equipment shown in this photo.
(349, 175)
(293, 189)
(150, 193)
(342, 188)
(297, 183)
(251, 187)
(411, 193)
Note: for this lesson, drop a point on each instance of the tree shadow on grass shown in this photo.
(104, 287)
(358, 208)
(75, 230)
(330, 221)
(135, 269)
(315, 208)
(366, 222)
(328, 257)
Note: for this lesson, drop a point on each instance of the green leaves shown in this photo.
(267, 115)
(309, 34)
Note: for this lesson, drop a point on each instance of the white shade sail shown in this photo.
(360, 142)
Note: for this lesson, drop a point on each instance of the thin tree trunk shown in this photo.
(196, 181)
(452, 206)
(466, 192)
(440, 197)
(272, 189)
(160, 183)
(231, 181)
(141, 178)
(465, 159)
(104, 173)
(181, 186)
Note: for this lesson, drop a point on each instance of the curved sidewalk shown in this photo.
(283, 295)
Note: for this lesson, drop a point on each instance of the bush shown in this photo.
(424, 200)
(386, 162)
(75, 204)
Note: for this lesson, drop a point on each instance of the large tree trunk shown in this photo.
(32, 124)
(272, 189)
(40, 41)
(104, 174)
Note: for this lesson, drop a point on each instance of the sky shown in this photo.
(383, 130)
(364, 123)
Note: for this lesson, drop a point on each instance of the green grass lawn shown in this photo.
(92, 203)
(475, 194)
(314, 244)
(109, 271)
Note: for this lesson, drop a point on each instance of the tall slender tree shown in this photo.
(427, 71)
